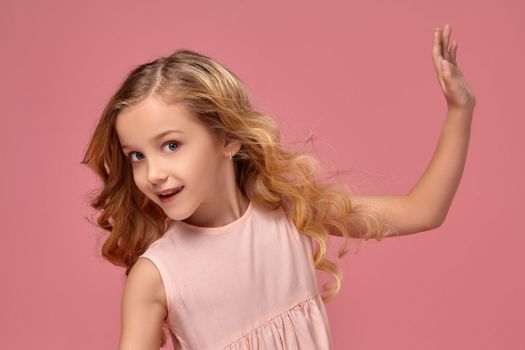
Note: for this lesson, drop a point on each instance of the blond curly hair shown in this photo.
(268, 173)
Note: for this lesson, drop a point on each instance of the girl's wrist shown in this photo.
(467, 107)
(465, 111)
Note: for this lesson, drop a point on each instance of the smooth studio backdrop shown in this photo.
(358, 75)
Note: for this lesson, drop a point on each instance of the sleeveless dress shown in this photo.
(250, 284)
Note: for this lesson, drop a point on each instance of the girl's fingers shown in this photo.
(453, 51)
(436, 49)
(445, 41)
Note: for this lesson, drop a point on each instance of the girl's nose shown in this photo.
(156, 174)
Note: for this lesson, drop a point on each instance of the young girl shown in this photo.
(220, 228)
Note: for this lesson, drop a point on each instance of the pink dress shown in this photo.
(250, 284)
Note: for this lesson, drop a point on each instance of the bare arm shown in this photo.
(143, 308)
(435, 190)
(426, 206)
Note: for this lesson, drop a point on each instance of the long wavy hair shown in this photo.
(268, 173)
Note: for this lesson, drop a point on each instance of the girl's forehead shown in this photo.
(153, 114)
(150, 120)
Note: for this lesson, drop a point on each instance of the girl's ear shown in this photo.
(232, 146)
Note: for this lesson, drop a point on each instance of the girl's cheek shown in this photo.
(140, 182)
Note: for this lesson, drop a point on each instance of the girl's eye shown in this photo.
(170, 143)
(130, 155)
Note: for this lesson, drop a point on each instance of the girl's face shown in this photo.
(189, 156)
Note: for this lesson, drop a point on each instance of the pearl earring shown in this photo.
(230, 154)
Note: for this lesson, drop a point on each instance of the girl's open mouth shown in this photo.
(171, 196)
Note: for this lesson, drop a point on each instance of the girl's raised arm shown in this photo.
(426, 206)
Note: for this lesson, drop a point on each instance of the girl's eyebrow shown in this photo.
(158, 136)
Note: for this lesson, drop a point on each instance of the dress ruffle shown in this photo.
(300, 327)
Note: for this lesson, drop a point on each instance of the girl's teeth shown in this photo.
(170, 193)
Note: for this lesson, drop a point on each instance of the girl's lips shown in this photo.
(168, 190)
(172, 197)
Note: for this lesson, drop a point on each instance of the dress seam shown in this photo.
(270, 319)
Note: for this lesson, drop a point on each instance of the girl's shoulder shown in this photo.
(159, 246)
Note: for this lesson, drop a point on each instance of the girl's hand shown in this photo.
(455, 88)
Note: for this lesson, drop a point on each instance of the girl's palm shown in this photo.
(455, 88)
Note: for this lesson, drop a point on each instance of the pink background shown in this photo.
(357, 74)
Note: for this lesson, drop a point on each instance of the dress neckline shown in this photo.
(220, 229)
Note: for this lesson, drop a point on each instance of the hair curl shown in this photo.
(266, 172)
